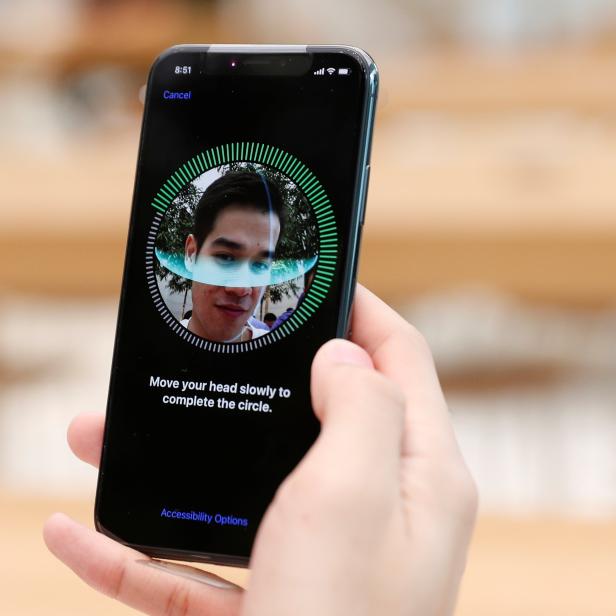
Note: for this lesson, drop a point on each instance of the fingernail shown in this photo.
(190, 573)
(345, 352)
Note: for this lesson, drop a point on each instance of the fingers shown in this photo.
(85, 437)
(401, 354)
(362, 413)
(130, 577)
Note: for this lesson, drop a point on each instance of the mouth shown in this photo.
(232, 310)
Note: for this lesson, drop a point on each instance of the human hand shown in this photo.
(376, 519)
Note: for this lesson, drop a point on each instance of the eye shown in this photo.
(260, 267)
(225, 259)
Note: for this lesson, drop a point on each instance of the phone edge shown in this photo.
(349, 275)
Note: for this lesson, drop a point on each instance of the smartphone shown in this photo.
(241, 260)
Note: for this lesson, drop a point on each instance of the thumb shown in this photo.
(332, 355)
(361, 411)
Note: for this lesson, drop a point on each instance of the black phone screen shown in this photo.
(241, 242)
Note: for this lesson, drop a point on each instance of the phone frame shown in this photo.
(348, 276)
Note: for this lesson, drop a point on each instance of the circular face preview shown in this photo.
(235, 253)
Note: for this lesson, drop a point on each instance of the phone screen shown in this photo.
(241, 242)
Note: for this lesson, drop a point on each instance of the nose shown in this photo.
(238, 291)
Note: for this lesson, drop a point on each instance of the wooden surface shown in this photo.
(530, 567)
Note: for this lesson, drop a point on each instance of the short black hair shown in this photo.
(236, 187)
(270, 316)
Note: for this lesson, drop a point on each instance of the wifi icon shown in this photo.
(331, 71)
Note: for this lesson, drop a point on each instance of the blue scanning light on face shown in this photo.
(234, 272)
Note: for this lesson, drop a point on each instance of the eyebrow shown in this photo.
(232, 245)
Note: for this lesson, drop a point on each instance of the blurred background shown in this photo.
(491, 225)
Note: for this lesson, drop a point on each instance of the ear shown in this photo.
(190, 252)
(276, 232)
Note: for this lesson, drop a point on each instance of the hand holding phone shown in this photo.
(376, 518)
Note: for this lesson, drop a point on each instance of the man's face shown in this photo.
(241, 233)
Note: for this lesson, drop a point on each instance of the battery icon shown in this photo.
(343, 71)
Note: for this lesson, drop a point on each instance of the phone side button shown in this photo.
(362, 216)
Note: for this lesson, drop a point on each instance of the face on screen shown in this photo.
(241, 234)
